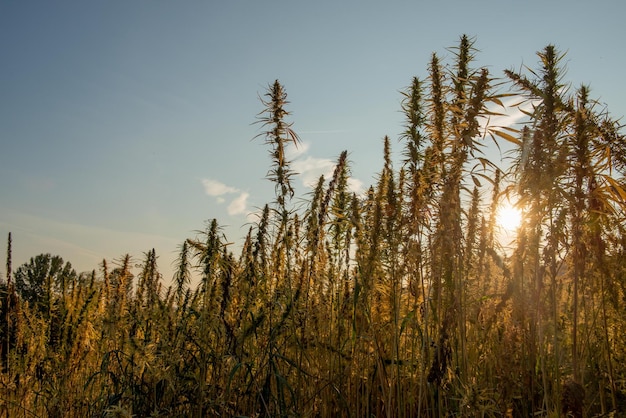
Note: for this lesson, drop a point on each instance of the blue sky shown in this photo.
(125, 125)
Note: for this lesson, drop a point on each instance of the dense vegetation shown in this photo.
(399, 302)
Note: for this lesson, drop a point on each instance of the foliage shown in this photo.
(400, 302)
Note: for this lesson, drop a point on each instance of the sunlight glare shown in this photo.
(509, 217)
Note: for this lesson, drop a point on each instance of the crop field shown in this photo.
(402, 301)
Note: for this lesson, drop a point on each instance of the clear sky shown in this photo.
(125, 125)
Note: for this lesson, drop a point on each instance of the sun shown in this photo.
(509, 217)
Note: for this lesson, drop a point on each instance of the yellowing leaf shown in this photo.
(617, 188)
(508, 137)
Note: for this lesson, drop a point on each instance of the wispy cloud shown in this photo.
(294, 152)
(254, 216)
(218, 190)
(238, 205)
(310, 169)
(355, 185)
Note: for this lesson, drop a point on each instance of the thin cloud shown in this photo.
(310, 169)
(238, 205)
(294, 152)
(355, 185)
(216, 188)
(254, 216)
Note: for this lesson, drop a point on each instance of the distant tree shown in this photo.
(38, 280)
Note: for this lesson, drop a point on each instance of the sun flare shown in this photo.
(509, 217)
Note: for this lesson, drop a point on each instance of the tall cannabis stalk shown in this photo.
(277, 135)
(564, 176)
(543, 163)
(7, 308)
